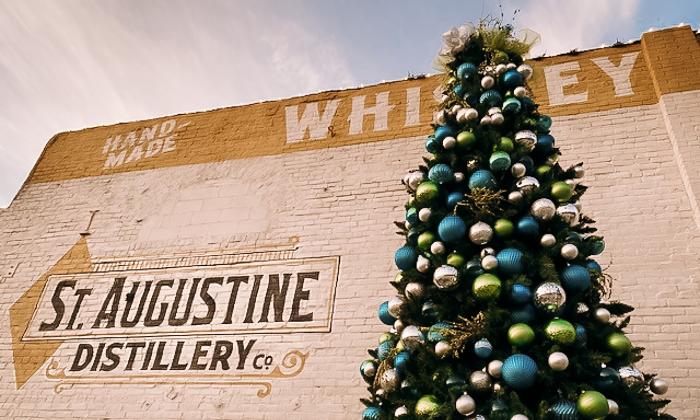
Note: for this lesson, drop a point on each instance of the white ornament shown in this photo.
(525, 70)
(459, 177)
(412, 336)
(527, 184)
(518, 170)
(437, 248)
(424, 214)
(485, 120)
(579, 172)
(500, 68)
(515, 197)
(480, 233)
(494, 110)
(558, 361)
(423, 264)
(398, 326)
(510, 66)
(568, 213)
(519, 417)
(455, 108)
(659, 386)
(570, 182)
(462, 115)
(407, 224)
(487, 251)
(487, 82)
(439, 117)
(442, 349)
(414, 291)
(472, 114)
(401, 412)
(494, 368)
(414, 179)
(613, 408)
(520, 92)
(449, 142)
(497, 119)
(548, 240)
(465, 405)
(602, 315)
(569, 251)
(489, 263)
(396, 306)
(526, 138)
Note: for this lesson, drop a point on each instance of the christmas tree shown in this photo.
(501, 311)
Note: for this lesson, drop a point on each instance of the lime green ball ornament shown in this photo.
(619, 344)
(466, 139)
(426, 192)
(486, 287)
(455, 260)
(560, 331)
(520, 335)
(543, 170)
(592, 405)
(400, 346)
(386, 337)
(506, 144)
(562, 191)
(427, 407)
(425, 239)
(503, 228)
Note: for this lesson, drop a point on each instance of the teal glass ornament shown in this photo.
(519, 371)
(401, 362)
(443, 131)
(452, 199)
(564, 410)
(466, 71)
(520, 294)
(441, 173)
(511, 106)
(384, 314)
(491, 98)
(412, 216)
(511, 261)
(482, 178)
(432, 145)
(545, 143)
(544, 123)
(372, 413)
(528, 227)
(575, 279)
(511, 79)
(451, 229)
(406, 257)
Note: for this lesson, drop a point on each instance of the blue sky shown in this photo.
(79, 63)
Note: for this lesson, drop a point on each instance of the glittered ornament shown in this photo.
(452, 229)
(527, 184)
(563, 410)
(528, 227)
(499, 161)
(483, 348)
(569, 251)
(515, 197)
(466, 70)
(414, 290)
(405, 257)
(389, 380)
(427, 406)
(479, 381)
(453, 198)
(575, 278)
(658, 386)
(520, 294)
(424, 240)
(602, 315)
(618, 343)
(446, 277)
(384, 349)
(396, 306)
(490, 98)
(372, 413)
(426, 192)
(422, 264)
(561, 191)
(442, 349)
(482, 178)
(526, 138)
(489, 263)
(486, 287)
(480, 233)
(511, 106)
(384, 314)
(548, 240)
(494, 368)
(568, 213)
(631, 376)
(437, 248)
(519, 371)
(560, 331)
(558, 361)
(437, 331)
(441, 173)
(592, 405)
(412, 336)
(520, 335)
(368, 369)
(549, 297)
(543, 209)
(465, 405)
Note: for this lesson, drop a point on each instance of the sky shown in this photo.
(71, 64)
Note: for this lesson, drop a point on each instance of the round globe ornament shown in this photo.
(455, 383)
(487, 82)
(455, 259)
(452, 229)
(631, 376)
(558, 361)
(441, 173)
(561, 191)
(427, 406)
(405, 257)
(544, 122)
(466, 71)
(490, 98)
(520, 294)
(437, 248)
(453, 198)
(486, 287)
(412, 336)
(569, 251)
(503, 228)
(494, 368)
(511, 106)
(602, 315)
(480, 381)
(425, 239)
(446, 277)
(527, 184)
(430, 311)
(480, 233)
(527, 139)
(413, 179)
(658, 386)
(618, 343)
(372, 413)
(545, 143)
(442, 349)
(443, 131)
(482, 178)
(511, 79)
(608, 378)
(483, 348)
(412, 216)
(518, 170)
(515, 197)
(389, 380)
(525, 70)
(594, 266)
(368, 369)
(549, 296)
(499, 161)
(597, 247)
(422, 264)
(548, 240)
(402, 412)
(465, 405)
(414, 291)
(575, 278)
(564, 410)
(560, 331)
(396, 306)
(449, 143)
(520, 92)
(426, 192)
(519, 371)
(489, 263)
(520, 335)
(384, 314)
(525, 314)
(613, 408)
(568, 213)
(437, 332)
(511, 261)
(432, 145)
(543, 209)
(528, 227)
(592, 405)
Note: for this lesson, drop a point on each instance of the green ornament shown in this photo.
(386, 337)
(543, 170)
(503, 228)
(425, 239)
(466, 139)
(400, 346)
(619, 344)
(560, 331)
(506, 144)
(562, 191)
(455, 260)
(427, 407)
(486, 287)
(520, 335)
(411, 201)
(426, 192)
(500, 57)
(592, 405)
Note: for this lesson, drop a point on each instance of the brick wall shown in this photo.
(260, 189)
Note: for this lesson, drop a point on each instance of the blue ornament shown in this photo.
(432, 145)
(482, 178)
(511, 106)
(406, 257)
(490, 98)
(412, 216)
(607, 379)
(483, 348)
(401, 362)
(499, 161)
(441, 173)
(528, 104)
(528, 226)
(384, 349)
(545, 143)
(544, 122)
(581, 335)
(458, 89)
(372, 413)
(511, 79)
(524, 314)
(575, 279)
(437, 331)
(451, 229)
(466, 71)
(443, 131)
(519, 371)
(429, 311)
(564, 410)
(593, 265)
(453, 198)
(384, 314)
(511, 261)
(519, 293)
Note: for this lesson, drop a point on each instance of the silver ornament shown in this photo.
(480, 233)
(613, 408)
(497, 387)
(630, 376)
(519, 417)
(515, 197)
(518, 170)
(424, 214)
(485, 120)
(455, 109)
(487, 251)
(480, 381)
(472, 114)
(489, 263)
(440, 117)
(548, 240)
(579, 172)
(527, 139)
(581, 308)
(549, 295)
(437, 248)
(414, 179)
(449, 142)
(422, 264)
(442, 349)
(396, 306)
(520, 92)
(465, 405)
(494, 368)
(602, 315)
(558, 361)
(401, 412)
(459, 177)
(497, 119)
(569, 251)
(414, 291)
(446, 277)
(568, 213)
(487, 82)
(511, 66)
(527, 184)
(525, 70)
(658, 386)
(398, 326)
(412, 336)
(389, 380)
(500, 68)
(543, 209)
